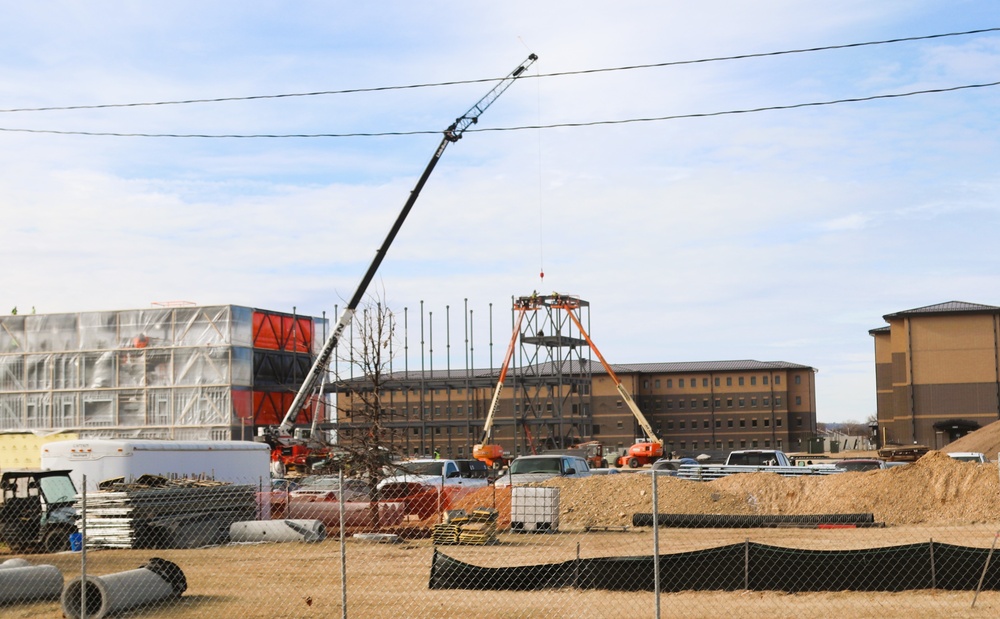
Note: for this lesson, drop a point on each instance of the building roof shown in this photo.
(949, 307)
(678, 367)
(885, 329)
(675, 367)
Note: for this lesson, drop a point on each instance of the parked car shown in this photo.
(969, 456)
(431, 486)
(283, 485)
(531, 469)
(667, 467)
(604, 471)
(861, 464)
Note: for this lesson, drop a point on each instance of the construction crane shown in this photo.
(452, 134)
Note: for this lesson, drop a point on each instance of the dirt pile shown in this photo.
(934, 490)
(985, 440)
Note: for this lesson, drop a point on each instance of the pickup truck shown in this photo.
(969, 456)
(752, 461)
(428, 487)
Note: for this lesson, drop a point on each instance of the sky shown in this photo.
(779, 235)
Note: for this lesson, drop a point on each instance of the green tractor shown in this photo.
(36, 510)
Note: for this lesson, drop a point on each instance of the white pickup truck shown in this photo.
(752, 461)
(467, 474)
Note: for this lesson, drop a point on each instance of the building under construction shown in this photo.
(227, 372)
(556, 395)
(171, 372)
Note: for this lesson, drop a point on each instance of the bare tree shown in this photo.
(366, 441)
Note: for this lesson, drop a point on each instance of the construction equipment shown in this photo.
(486, 451)
(642, 452)
(320, 366)
(592, 451)
(37, 513)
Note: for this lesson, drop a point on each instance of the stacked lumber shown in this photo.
(477, 527)
(168, 516)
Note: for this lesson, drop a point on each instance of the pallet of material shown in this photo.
(169, 516)
(460, 527)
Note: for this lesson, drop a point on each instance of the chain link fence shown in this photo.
(326, 549)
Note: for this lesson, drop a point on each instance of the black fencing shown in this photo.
(745, 566)
(751, 521)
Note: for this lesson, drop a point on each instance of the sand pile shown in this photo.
(934, 490)
(984, 440)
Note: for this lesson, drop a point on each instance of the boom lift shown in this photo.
(642, 452)
(593, 451)
(281, 435)
(491, 453)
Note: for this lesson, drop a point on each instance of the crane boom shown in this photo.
(452, 134)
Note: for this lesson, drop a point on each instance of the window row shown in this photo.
(717, 381)
(730, 444)
(717, 403)
(753, 422)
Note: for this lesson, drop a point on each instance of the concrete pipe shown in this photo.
(157, 581)
(20, 583)
(277, 531)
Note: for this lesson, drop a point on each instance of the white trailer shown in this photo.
(240, 462)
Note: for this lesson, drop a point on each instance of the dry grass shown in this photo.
(304, 580)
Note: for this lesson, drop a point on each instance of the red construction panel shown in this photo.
(267, 331)
(243, 404)
(299, 331)
(282, 332)
(270, 407)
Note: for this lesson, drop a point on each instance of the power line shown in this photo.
(492, 79)
(515, 128)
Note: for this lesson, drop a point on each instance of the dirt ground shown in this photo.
(935, 498)
(304, 580)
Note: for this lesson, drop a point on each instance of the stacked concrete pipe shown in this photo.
(157, 581)
(20, 581)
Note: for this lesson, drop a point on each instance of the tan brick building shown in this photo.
(937, 372)
(696, 407)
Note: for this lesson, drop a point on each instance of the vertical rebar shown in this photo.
(656, 545)
(343, 549)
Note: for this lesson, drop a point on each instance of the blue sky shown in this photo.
(781, 235)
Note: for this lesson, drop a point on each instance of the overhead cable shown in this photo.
(492, 79)
(515, 128)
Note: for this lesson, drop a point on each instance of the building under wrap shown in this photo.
(186, 372)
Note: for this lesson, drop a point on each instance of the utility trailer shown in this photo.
(238, 462)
